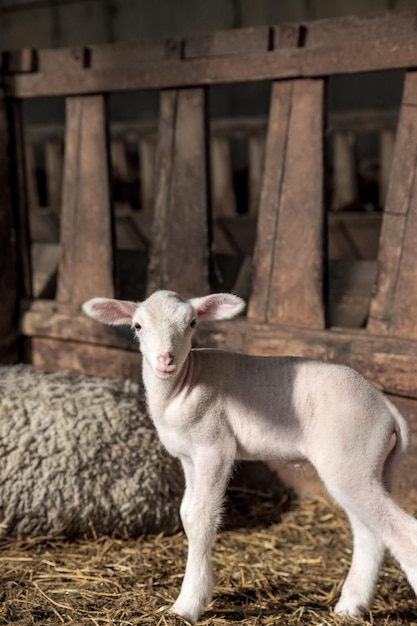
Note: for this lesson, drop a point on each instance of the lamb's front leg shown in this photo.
(206, 476)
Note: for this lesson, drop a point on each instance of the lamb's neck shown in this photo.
(161, 391)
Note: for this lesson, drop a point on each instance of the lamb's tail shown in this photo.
(402, 433)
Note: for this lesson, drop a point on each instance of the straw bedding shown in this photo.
(66, 441)
(80, 452)
(277, 562)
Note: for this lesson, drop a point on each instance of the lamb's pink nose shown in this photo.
(165, 361)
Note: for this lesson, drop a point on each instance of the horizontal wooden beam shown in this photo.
(45, 319)
(51, 355)
(271, 65)
(389, 362)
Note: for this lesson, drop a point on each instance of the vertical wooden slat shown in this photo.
(287, 286)
(223, 197)
(179, 253)
(276, 142)
(9, 288)
(86, 264)
(386, 150)
(54, 164)
(297, 274)
(394, 303)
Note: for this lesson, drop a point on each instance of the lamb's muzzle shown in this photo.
(212, 407)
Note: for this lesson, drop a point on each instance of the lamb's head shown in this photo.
(164, 323)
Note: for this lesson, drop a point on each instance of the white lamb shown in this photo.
(212, 407)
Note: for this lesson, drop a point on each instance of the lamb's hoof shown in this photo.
(348, 609)
(187, 614)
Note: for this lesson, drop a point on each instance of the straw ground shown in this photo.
(277, 561)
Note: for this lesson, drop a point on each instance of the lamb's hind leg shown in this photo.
(378, 520)
(359, 586)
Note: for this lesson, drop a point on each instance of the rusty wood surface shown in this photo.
(395, 300)
(179, 256)
(287, 285)
(86, 265)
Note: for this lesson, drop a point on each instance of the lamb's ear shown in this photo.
(217, 306)
(110, 311)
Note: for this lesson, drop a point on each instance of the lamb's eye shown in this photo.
(193, 323)
(137, 326)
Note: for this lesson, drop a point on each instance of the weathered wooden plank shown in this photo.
(86, 266)
(179, 255)
(52, 355)
(43, 319)
(297, 274)
(367, 56)
(53, 60)
(386, 151)
(362, 120)
(277, 137)
(391, 362)
(9, 324)
(287, 36)
(289, 258)
(272, 65)
(395, 299)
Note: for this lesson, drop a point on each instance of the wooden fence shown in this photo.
(287, 309)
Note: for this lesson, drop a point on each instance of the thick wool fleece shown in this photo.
(79, 455)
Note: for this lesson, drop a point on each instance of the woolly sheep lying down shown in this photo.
(79, 454)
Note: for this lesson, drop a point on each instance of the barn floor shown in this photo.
(277, 561)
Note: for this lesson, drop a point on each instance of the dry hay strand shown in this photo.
(277, 562)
